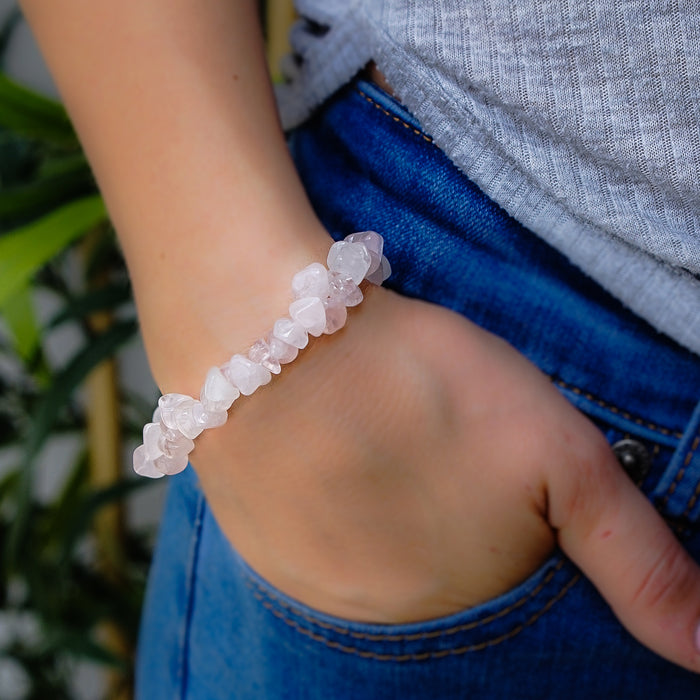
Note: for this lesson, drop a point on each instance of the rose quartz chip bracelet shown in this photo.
(321, 298)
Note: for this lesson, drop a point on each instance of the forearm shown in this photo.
(173, 105)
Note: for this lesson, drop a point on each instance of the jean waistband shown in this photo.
(367, 164)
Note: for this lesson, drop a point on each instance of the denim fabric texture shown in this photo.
(212, 628)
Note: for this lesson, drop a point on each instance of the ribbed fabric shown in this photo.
(580, 118)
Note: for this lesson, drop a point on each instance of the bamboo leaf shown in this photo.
(104, 299)
(54, 165)
(26, 112)
(56, 183)
(20, 159)
(63, 508)
(25, 250)
(8, 483)
(66, 381)
(19, 316)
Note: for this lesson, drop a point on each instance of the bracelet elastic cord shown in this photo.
(321, 298)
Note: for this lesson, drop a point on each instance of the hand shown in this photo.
(414, 465)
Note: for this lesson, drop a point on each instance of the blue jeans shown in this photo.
(212, 628)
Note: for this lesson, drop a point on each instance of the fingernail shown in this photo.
(697, 638)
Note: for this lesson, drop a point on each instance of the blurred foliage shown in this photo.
(56, 598)
(62, 602)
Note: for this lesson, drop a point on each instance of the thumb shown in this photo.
(609, 529)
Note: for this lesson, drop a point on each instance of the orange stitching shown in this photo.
(686, 462)
(665, 431)
(398, 120)
(425, 655)
(616, 410)
(692, 501)
(681, 472)
(419, 635)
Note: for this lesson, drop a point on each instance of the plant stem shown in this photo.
(279, 16)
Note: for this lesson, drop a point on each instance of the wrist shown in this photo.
(319, 300)
(204, 305)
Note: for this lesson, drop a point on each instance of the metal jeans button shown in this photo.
(633, 457)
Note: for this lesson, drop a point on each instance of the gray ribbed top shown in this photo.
(581, 118)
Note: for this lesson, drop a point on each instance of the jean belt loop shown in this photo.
(677, 495)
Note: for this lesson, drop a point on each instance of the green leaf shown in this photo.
(26, 112)
(20, 159)
(59, 180)
(56, 165)
(25, 250)
(105, 299)
(81, 646)
(8, 483)
(66, 381)
(62, 509)
(18, 312)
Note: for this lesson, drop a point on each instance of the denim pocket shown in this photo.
(247, 639)
(244, 638)
(527, 643)
(497, 621)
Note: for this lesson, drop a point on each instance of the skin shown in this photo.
(407, 467)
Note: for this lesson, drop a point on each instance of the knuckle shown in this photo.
(670, 581)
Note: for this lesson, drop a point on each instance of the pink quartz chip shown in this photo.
(144, 466)
(309, 313)
(246, 375)
(336, 316)
(352, 259)
(218, 394)
(290, 332)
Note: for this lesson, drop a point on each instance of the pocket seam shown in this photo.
(260, 595)
(616, 410)
(282, 610)
(396, 118)
(679, 477)
(662, 500)
(416, 635)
